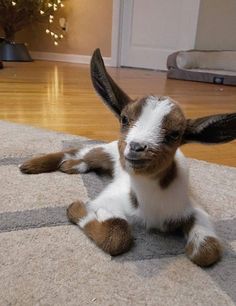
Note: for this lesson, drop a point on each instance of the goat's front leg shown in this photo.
(74, 161)
(46, 163)
(203, 246)
(111, 234)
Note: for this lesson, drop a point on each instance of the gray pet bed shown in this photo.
(217, 67)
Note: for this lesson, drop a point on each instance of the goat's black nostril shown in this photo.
(137, 147)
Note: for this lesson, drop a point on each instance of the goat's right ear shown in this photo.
(114, 97)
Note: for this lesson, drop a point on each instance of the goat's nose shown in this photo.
(137, 147)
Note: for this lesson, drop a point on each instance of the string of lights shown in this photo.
(17, 14)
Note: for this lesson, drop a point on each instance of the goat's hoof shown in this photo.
(207, 253)
(30, 167)
(76, 211)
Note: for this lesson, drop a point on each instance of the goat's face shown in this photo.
(151, 131)
(152, 128)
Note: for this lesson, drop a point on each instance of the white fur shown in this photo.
(157, 204)
(82, 167)
(103, 214)
(148, 127)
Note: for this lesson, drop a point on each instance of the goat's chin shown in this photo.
(138, 166)
(145, 167)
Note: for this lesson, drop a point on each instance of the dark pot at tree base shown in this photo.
(16, 52)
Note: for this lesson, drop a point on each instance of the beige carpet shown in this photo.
(46, 261)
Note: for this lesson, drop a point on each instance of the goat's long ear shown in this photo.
(211, 129)
(114, 97)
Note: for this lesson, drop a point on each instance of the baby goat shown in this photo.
(150, 174)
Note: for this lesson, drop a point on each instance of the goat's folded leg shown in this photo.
(46, 163)
(73, 161)
(203, 246)
(111, 234)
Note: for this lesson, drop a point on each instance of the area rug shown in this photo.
(44, 260)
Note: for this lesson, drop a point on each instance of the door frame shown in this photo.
(117, 24)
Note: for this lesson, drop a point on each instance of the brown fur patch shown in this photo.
(76, 211)
(183, 224)
(46, 163)
(99, 160)
(133, 199)
(113, 236)
(133, 110)
(208, 253)
(168, 176)
(175, 121)
(186, 227)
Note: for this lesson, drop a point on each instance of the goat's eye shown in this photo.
(173, 136)
(124, 120)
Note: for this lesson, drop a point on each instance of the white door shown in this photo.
(153, 29)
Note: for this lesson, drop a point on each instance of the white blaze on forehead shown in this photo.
(148, 126)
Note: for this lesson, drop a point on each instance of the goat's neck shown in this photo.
(162, 179)
(163, 198)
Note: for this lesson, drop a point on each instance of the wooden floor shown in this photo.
(59, 96)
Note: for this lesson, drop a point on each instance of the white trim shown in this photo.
(116, 32)
(71, 58)
(197, 10)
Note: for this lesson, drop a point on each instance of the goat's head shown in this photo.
(152, 128)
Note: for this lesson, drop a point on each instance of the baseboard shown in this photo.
(70, 58)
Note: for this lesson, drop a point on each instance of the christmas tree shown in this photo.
(17, 14)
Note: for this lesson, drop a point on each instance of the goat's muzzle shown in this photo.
(135, 154)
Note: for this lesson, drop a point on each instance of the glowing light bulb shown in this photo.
(49, 4)
(55, 43)
(41, 12)
(62, 5)
(47, 31)
(50, 20)
(52, 34)
(13, 3)
(56, 36)
(61, 36)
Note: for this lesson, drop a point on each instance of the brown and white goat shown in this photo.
(150, 174)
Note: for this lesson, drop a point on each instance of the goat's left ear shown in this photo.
(113, 96)
(211, 129)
